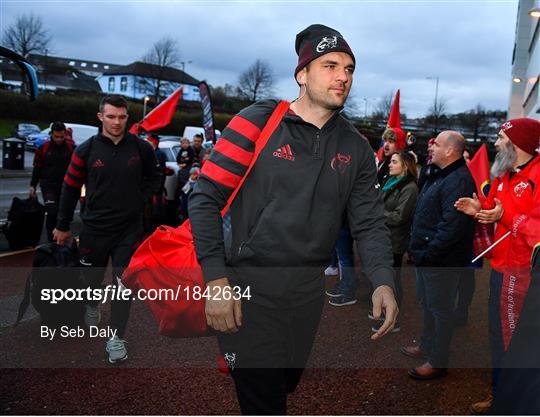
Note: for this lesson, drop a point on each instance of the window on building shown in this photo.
(95, 65)
(71, 63)
(83, 64)
(123, 83)
(142, 86)
(106, 66)
(111, 83)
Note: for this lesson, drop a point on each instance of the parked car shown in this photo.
(80, 134)
(190, 131)
(170, 148)
(22, 130)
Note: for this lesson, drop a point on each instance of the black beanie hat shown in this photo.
(317, 40)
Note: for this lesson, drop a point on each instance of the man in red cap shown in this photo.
(285, 221)
(511, 199)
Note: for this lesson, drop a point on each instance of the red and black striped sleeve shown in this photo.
(220, 175)
(74, 179)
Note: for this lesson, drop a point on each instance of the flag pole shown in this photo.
(492, 246)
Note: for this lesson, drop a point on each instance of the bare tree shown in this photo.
(256, 82)
(436, 113)
(27, 35)
(352, 109)
(164, 54)
(384, 106)
(475, 120)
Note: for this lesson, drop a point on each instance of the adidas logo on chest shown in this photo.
(284, 152)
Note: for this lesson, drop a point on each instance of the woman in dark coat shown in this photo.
(400, 193)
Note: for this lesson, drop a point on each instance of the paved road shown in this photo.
(348, 373)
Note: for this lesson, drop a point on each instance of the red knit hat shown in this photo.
(524, 133)
(394, 122)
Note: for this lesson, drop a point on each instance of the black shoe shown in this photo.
(342, 300)
(334, 292)
(375, 328)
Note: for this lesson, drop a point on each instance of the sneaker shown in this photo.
(334, 292)
(92, 315)
(342, 300)
(372, 317)
(116, 348)
(331, 270)
(375, 328)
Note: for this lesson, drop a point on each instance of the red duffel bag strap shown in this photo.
(269, 128)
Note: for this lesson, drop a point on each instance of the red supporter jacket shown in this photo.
(519, 194)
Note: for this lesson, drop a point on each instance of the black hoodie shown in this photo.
(286, 218)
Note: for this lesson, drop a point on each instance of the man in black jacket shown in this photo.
(120, 172)
(441, 243)
(285, 222)
(50, 164)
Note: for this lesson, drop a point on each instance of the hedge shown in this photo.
(82, 108)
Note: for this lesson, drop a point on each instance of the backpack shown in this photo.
(24, 223)
(54, 267)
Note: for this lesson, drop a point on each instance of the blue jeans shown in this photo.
(348, 284)
(495, 330)
(436, 290)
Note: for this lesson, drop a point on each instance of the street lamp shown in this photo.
(436, 88)
(517, 80)
(366, 99)
(145, 101)
(534, 12)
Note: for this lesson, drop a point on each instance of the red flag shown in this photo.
(394, 120)
(160, 117)
(479, 168)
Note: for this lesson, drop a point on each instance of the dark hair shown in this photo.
(410, 163)
(114, 100)
(198, 135)
(470, 150)
(58, 127)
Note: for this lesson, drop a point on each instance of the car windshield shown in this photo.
(171, 153)
(28, 127)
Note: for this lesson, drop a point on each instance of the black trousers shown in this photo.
(269, 353)
(95, 250)
(51, 199)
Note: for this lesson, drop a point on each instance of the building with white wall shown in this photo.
(524, 93)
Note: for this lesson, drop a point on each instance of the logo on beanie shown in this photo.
(506, 126)
(328, 42)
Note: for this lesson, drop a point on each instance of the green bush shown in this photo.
(73, 107)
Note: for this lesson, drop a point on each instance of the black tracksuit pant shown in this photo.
(51, 199)
(95, 250)
(269, 353)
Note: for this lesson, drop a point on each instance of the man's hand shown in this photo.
(222, 315)
(384, 301)
(469, 206)
(32, 192)
(491, 216)
(60, 237)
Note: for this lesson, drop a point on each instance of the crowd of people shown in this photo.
(319, 189)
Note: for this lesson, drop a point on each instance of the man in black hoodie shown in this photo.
(120, 172)
(285, 222)
(50, 163)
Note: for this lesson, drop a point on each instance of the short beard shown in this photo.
(504, 160)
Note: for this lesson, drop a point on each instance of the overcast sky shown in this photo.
(397, 44)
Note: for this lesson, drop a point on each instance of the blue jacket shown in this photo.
(441, 235)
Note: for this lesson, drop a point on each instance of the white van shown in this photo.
(190, 131)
